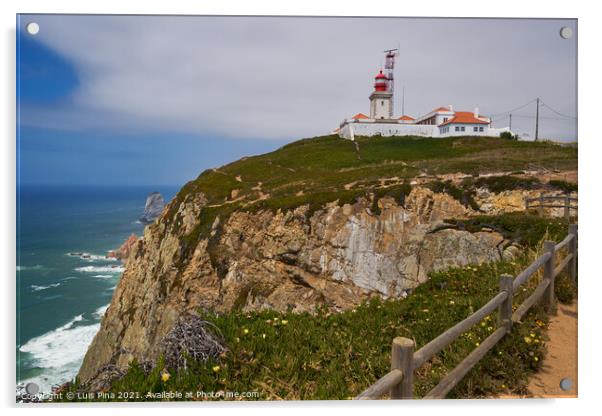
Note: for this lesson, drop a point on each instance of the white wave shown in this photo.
(100, 269)
(69, 278)
(36, 267)
(37, 288)
(99, 313)
(103, 276)
(60, 352)
(91, 257)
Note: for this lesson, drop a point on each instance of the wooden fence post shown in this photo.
(527, 204)
(548, 273)
(540, 208)
(572, 266)
(567, 204)
(504, 317)
(402, 358)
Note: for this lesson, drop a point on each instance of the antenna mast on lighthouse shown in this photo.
(389, 66)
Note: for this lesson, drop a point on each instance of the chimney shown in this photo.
(450, 107)
(476, 112)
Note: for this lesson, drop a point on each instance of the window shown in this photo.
(444, 119)
(481, 128)
(382, 103)
(457, 128)
(462, 128)
(475, 128)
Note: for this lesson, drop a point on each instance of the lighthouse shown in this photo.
(381, 99)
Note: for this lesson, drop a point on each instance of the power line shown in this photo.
(541, 117)
(560, 114)
(514, 109)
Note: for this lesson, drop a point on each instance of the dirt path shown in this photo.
(561, 359)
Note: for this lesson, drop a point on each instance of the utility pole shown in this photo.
(510, 127)
(537, 121)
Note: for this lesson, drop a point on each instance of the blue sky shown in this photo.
(156, 100)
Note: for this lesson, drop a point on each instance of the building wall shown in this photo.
(351, 128)
(469, 130)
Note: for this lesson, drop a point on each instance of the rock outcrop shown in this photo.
(153, 207)
(286, 260)
(124, 251)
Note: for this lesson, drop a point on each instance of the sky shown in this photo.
(157, 99)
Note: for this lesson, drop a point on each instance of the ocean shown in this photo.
(64, 281)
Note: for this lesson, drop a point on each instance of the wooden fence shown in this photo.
(405, 361)
(542, 202)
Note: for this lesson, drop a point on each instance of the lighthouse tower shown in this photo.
(381, 99)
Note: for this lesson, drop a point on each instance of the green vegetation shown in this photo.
(565, 186)
(508, 136)
(336, 356)
(325, 169)
(526, 229)
(504, 183)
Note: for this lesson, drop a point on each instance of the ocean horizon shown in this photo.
(64, 279)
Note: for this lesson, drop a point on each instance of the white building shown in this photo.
(441, 122)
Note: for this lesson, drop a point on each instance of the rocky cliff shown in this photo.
(153, 207)
(286, 260)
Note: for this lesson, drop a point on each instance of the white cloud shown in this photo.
(286, 78)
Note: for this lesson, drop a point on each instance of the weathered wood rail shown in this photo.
(542, 202)
(405, 361)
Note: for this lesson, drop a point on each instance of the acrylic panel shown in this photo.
(297, 208)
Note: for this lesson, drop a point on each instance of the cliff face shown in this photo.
(289, 260)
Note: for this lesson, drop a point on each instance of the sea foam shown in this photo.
(100, 269)
(99, 313)
(36, 288)
(60, 351)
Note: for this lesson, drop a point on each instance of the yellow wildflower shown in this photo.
(165, 376)
(284, 322)
(216, 368)
(263, 336)
(245, 331)
(451, 302)
(527, 340)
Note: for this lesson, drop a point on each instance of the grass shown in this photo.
(336, 356)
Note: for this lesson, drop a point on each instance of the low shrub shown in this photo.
(565, 186)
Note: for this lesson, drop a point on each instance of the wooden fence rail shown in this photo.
(548, 202)
(405, 361)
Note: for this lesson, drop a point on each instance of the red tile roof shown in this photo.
(445, 109)
(406, 118)
(464, 117)
(359, 116)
